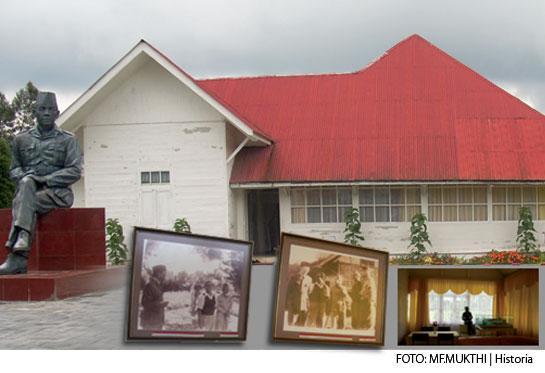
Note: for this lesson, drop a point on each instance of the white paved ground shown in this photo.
(94, 321)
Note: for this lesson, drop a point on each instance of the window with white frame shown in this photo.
(507, 200)
(447, 308)
(154, 177)
(319, 205)
(457, 203)
(389, 204)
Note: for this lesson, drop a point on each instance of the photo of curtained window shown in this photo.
(420, 288)
(515, 299)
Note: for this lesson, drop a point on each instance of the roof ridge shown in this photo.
(411, 38)
(302, 75)
(310, 75)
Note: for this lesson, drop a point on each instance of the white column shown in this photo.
(424, 199)
(489, 202)
(284, 209)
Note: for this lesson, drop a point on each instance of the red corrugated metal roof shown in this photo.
(415, 114)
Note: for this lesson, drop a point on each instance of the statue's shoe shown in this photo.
(23, 241)
(14, 265)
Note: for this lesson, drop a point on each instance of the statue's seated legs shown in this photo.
(30, 201)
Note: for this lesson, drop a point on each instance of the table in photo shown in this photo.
(432, 337)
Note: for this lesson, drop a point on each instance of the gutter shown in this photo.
(283, 184)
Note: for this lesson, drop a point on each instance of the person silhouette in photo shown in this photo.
(293, 296)
(319, 298)
(206, 304)
(306, 285)
(152, 316)
(195, 312)
(467, 317)
(340, 303)
(361, 300)
(153, 305)
(223, 310)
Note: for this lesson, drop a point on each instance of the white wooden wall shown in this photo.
(151, 122)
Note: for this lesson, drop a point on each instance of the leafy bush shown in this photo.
(116, 250)
(181, 225)
(7, 187)
(526, 239)
(352, 230)
(419, 235)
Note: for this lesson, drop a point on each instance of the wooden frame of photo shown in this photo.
(336, 336)
(134, 333)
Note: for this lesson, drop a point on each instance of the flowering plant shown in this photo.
(492, 257)
(431, 258)
(506, 257)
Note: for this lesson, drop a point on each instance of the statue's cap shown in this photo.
(46, 98)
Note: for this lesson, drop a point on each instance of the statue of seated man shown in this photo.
(45, 161)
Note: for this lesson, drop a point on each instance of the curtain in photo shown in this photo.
(418, 304)
(521, 302)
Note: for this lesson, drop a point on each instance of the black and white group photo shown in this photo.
(186, 288)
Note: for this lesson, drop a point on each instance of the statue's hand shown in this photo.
(37, 179)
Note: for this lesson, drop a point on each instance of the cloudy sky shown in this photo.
(65, 46)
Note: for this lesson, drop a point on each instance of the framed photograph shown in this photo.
(330, 292)
(188, 287)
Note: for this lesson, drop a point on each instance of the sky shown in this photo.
(167, 252)
(65, 46)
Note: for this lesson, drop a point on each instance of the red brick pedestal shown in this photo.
(67, 257)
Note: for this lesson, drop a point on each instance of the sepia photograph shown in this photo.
(330, 292)
(186, 286)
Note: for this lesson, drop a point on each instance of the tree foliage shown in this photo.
(6, 116)
(526, 239)
(352, 230)
(116, 249)
(18, 115)
(233, 268)
(419, 235)
(7, 187)
(209, 254)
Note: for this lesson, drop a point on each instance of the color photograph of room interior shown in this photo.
(468, 307)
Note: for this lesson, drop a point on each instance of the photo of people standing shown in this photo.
(189, 288)
(330, 291)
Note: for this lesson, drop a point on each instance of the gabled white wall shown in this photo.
(149, 122)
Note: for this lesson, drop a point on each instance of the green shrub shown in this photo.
(7, 187)
(181, 225)
(116, 250)
(526, 239)
(352, 230)
(419, 235)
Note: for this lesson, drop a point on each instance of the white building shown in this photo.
(415, 131)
